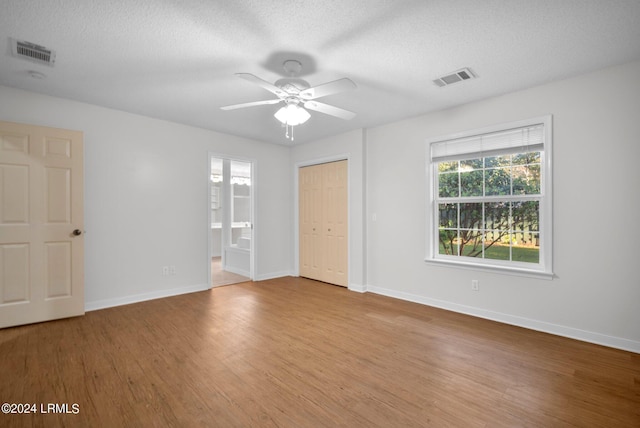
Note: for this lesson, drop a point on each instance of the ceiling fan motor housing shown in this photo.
(292, 85)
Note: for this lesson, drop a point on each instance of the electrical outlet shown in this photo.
(475, 286)
(172, 270)
(165, 270)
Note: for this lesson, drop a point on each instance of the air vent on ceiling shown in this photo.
(456, 76)
(33, 52)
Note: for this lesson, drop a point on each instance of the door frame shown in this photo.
(296, 207)
(254, 217)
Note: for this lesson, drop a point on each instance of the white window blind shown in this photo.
(518, 140)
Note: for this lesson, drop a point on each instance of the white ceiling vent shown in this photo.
(32, 52)
(456, 76)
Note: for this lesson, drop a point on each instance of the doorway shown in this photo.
(231, 212)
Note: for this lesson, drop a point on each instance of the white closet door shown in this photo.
(323, 222)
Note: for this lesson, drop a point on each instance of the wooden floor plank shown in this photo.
(292, 352)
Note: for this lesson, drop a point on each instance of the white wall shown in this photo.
(346, 146)
(596, 292)
(146, 197)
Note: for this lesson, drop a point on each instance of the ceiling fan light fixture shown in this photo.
(292, 115)
(296, 93)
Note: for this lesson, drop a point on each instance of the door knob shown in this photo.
(77, 232)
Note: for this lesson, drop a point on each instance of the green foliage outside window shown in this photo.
(488, 207)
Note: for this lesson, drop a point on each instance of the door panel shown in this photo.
(58, 148)
(58, 195)
(15, 194)
(41, 204)
(14, 265)
(58, 269)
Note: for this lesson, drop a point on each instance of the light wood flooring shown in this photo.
(293, 352)
(222, 277)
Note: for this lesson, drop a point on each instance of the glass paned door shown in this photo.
(231, 187)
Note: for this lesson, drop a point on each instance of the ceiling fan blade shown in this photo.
(340, 85)
(330, 110)
(255, 103)
(262, 83)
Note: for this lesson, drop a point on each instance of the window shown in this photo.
(491, 198)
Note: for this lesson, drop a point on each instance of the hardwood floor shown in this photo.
(293, 352)
(222, 277)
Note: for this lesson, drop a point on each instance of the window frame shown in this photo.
(542, 269)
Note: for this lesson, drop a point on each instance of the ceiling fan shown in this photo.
(297, 95)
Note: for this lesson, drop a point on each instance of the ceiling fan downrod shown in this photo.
(292, 67)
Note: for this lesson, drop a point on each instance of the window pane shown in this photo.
(497, 236)
(471, 216)
(526, 247)
(448, 233)
(496, 245)
(240, 201)
(525, 158)
(469, 164)
(241, 204)
(216, 202)
(216, 190)
(448, 166)
(471, 183)
(526, 216)
(526, 239)
(526, 179)
(448, 242)
(498, 181)
(448, 216)
(495, 161)
(448, 185)
(471, 243)
(496, 216)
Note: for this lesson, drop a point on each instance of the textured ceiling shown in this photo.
(176, 60)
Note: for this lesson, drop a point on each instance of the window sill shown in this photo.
(505, 270)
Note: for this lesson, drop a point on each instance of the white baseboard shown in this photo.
(272, 275)
(556, 329)
(237, 271)
(126, 300)
(358, 288)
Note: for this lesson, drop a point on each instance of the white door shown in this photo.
(41, 224)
